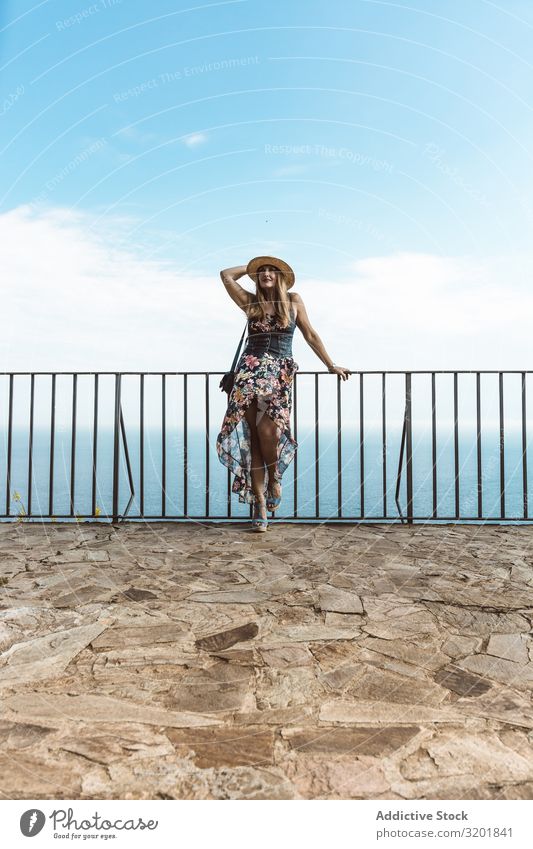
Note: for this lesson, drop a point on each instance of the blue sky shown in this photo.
(383, 149)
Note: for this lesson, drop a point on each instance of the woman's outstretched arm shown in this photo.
(314, 341)
(229, 277)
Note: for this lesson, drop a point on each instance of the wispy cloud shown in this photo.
(135, 135)
(290, 170)
(195, 139)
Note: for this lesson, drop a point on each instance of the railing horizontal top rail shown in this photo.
(299, 372)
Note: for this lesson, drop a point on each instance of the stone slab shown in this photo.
(45, 657)
(88, 709)
(360, 740)
(338, 601)
(349, 712)
(224, 747)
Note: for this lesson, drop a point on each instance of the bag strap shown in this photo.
(236, 357)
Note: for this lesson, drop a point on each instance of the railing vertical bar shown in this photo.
(207, 445)
(295, 470)
(317, 471)
(163, 444)
(141, 445)
(478, 446)
(400, 461)
(30, 445)
(502, 448)
(409, 447)
(185, 445)
(128, 464)
(9, 444)
(434, 444)
(73, 442)
(339, 450)
(524, 447)
(384, 439)
(95, 446)
(361, 444)
(456, 440)
(52, 447)
(116, 446)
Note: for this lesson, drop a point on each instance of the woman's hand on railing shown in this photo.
(342, 372)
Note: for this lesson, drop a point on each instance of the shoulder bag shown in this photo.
(226, 384)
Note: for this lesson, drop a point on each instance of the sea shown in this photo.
(364, 486)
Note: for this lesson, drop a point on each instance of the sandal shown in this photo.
(258, 524)
(273, 503)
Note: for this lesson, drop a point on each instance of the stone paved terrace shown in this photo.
(314, 661)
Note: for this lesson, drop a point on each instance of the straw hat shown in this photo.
(258, 261)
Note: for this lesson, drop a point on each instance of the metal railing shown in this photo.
(307, 487)
(407, 444)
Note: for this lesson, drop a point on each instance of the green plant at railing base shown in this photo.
(22, 512)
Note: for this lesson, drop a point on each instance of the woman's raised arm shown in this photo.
(229, 277)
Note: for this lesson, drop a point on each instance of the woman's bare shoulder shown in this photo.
(295, 300)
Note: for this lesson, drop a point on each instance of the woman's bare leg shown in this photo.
(268, 433)
(258, 463)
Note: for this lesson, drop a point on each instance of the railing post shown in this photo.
(116, 447)
(409, 447)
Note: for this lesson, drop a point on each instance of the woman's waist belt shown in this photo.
(276, 343)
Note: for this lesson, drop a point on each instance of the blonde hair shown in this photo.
(282, 302)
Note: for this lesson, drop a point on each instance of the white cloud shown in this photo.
(131, 133)
(74, 299)
(290, 170)
(78, 299)
(195, 139)
(421, 311)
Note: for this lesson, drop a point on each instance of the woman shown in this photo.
(255, 441)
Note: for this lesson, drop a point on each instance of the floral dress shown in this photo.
(267, 377)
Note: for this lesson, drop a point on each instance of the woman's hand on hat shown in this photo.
(341, 371)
